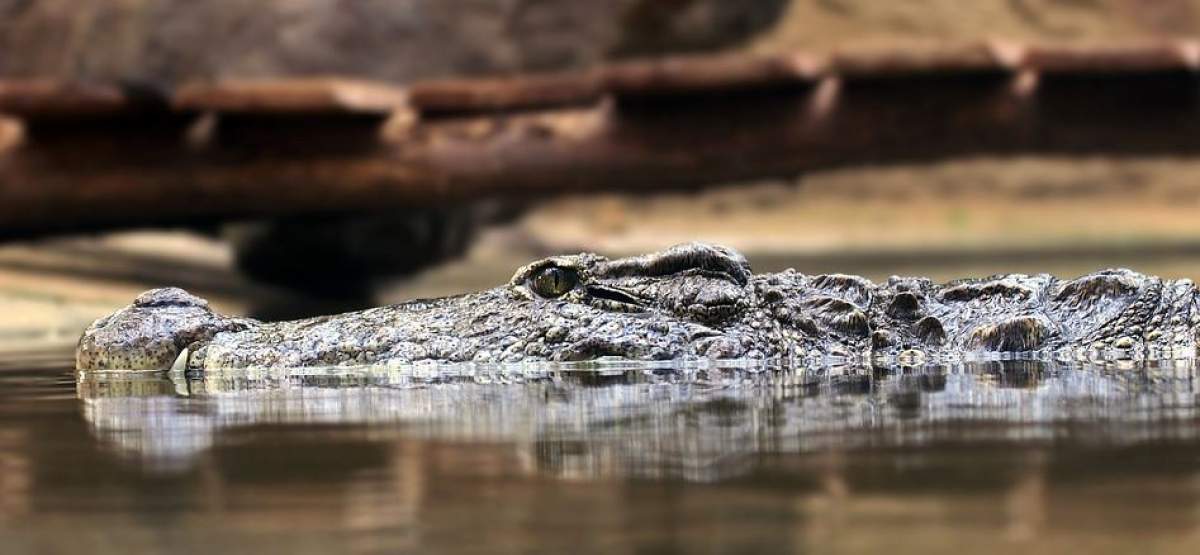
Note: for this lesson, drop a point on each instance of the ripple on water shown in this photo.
(686, 455)
(169, 420)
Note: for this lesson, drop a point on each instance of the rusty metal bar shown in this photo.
(234, 150)
(313, 96)
(459, 96)
(41, 98)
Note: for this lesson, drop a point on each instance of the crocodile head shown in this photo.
(689, 300)
(674, 303)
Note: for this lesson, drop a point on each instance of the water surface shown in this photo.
(985, 457)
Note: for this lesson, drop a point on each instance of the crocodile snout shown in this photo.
(150, 333)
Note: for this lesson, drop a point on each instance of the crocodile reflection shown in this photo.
(700, 424)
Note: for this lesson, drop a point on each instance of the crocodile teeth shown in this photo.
(181, 360)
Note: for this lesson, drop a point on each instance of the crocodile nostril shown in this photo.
(169, 296)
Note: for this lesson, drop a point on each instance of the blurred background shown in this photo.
(284, 158)
(265, 244)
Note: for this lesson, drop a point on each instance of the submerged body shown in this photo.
(690, 301)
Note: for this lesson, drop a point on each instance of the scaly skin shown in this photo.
(689, 301)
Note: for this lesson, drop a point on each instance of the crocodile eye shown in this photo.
(553, 281)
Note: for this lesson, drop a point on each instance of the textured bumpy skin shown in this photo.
(690, 301)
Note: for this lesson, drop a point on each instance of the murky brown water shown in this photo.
(987, 457)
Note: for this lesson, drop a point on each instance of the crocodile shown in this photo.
(691, 301)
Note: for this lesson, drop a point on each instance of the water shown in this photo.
(985, 457)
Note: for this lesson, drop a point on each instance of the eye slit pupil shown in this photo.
(553, 281)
